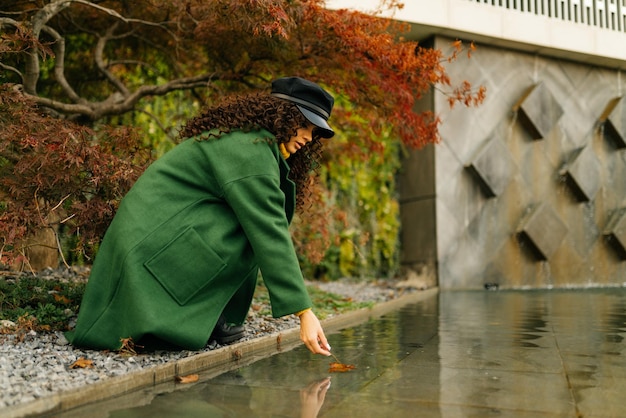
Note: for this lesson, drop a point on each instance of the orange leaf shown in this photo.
(82, 363)
(340, 367)
(128, 346)
(61, 299)
(190, 378)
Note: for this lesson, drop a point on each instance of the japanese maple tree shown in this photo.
(57, 174)
(87, 61)
(76, 56)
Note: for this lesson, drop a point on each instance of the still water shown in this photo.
(456, 354)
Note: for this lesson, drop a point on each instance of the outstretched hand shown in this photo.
(312, 334)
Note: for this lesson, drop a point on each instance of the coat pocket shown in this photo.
(185, 265)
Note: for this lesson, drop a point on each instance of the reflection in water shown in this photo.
(312, 398)
(296, 383)
(532, 323)
(616, 321)
(234, 400)
(458, 354)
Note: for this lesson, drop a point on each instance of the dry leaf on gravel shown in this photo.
(128, 346)
(82, 363)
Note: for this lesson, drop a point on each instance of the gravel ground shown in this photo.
(40, 364)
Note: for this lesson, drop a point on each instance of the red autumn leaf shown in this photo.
(336, 367)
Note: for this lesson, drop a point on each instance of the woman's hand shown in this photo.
(312, 334)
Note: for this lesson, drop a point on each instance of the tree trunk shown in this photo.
(40, 251)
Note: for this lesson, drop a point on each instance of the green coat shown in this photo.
(187, 243)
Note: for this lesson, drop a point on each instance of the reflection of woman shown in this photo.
(179, 262)
(312, 398)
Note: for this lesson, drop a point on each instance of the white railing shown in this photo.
(606, 14)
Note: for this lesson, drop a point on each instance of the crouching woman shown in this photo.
(178, 265)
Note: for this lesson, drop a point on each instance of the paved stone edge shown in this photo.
(235, 355)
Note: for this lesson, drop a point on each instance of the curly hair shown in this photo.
(261, 111)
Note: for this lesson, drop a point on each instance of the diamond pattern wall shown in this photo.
(528, 189)
(543, 231)
(614, 120)
(538, 110)
(582, 174)
(616, 232)
(492, 167)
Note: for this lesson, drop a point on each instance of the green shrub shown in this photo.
(50, 302)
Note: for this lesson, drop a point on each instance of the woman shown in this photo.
(179, 263)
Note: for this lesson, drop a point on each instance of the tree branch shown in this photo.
(59, 64)
(68, 108)
(43, 15)
(7, 21)
(15, 70)
(99, 58)
(119, 16)
(38, 23)
(118, 104)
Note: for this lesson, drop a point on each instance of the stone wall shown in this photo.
(527, 190)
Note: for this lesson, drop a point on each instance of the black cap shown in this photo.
(312, 100)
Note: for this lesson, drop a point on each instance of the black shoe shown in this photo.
(224, 333)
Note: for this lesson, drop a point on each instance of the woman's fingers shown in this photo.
(324, 342)
(316, 346)
(312, 334)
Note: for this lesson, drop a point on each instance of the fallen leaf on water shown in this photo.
(82, 363)
(340, 367)
(190, 378)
